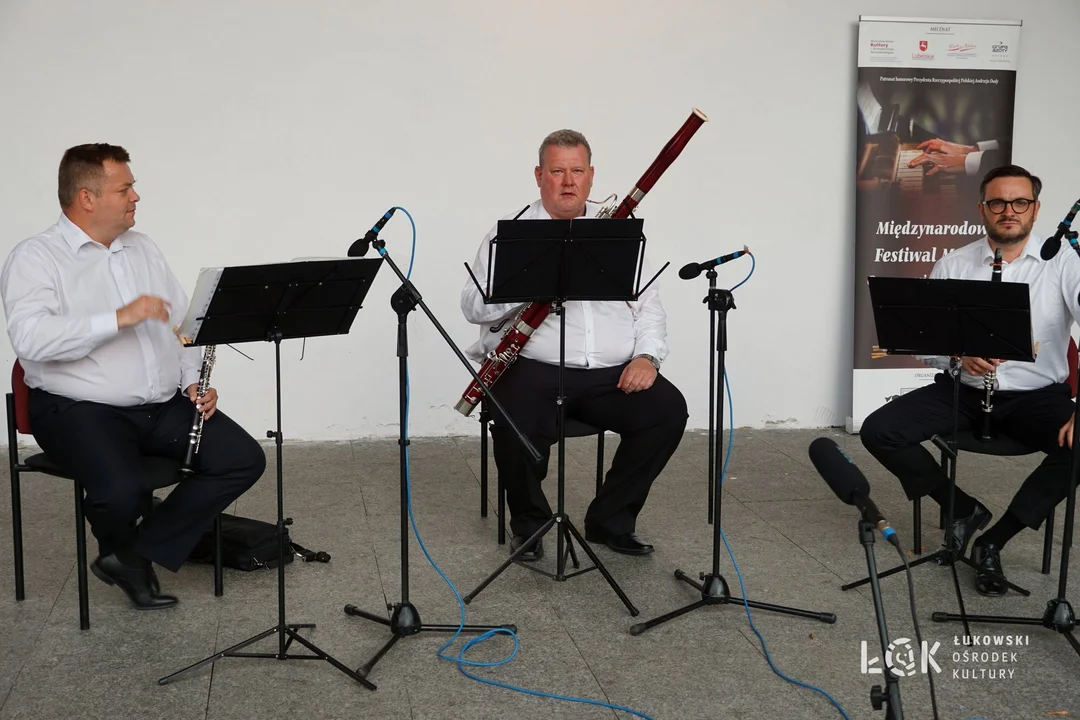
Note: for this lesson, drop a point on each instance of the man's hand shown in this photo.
(144, 307)
(1066, 433)
(639, 374)
(977, 366)
(944, 156)
(207, 403)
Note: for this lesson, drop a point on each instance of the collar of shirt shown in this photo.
(1031, 249)
(76, 237)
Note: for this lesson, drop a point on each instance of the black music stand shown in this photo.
(272, 303)
(952, 318)
(555, 261)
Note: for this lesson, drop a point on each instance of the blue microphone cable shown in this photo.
(460, 659)
(742, 585)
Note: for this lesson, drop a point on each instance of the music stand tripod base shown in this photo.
(271, 303)
(713, 587)
(404, 619)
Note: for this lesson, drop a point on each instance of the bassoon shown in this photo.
(533, 314)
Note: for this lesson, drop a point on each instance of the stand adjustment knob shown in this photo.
(270, 433)
(877, 697)
(288, 521)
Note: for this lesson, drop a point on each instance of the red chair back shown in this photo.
(22, 399)
(1072, 366)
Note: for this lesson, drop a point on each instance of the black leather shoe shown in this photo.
(532, 554)
(135, 582)
(964, 528)
(988, 577)
(628, 544)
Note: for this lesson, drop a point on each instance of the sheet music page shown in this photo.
(200, 302)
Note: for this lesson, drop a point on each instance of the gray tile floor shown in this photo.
(795, 544)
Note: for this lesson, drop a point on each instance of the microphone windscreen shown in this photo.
(1050, 249)
(358, 248)
(838, 470)
(690, 271)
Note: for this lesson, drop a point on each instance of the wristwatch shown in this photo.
(650, 358)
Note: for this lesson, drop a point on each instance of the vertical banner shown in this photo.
(934, 114)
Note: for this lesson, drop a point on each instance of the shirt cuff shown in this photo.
(188, 377)
(972, 162)
(103, 325)
(650, 347)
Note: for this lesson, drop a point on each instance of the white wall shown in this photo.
(262, 131)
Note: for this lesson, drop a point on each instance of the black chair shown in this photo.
(574, 428)
(1002, 446)
(160, 473)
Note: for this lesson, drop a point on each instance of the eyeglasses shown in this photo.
(1019, 205)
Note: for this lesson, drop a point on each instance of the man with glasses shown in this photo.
(1032, 401)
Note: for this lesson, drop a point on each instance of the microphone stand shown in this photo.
(890, 697)
(404, 618)
(1059, 615)
(713, 587)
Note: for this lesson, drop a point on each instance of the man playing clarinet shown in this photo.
(1031, 402)
(90, 307)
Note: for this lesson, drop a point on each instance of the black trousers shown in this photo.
(650, 424)
(892, 434)
(103, 447)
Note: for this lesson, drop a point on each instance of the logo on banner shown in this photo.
(957, 48)
(999, 48)
(924, 45)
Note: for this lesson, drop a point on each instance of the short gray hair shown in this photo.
(566, 139)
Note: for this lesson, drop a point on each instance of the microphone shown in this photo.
(360, 247)
(849, 484)
(1053, 244)
(692, 270)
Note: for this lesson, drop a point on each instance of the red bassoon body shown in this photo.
(533, 314)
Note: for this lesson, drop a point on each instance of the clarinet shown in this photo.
(195, 434)
(986, 433)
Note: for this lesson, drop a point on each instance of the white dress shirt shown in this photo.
(1052, 286)
(61, 291)
(599, 334)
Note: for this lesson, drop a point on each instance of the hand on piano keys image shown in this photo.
(941, 156)
(885, 162)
